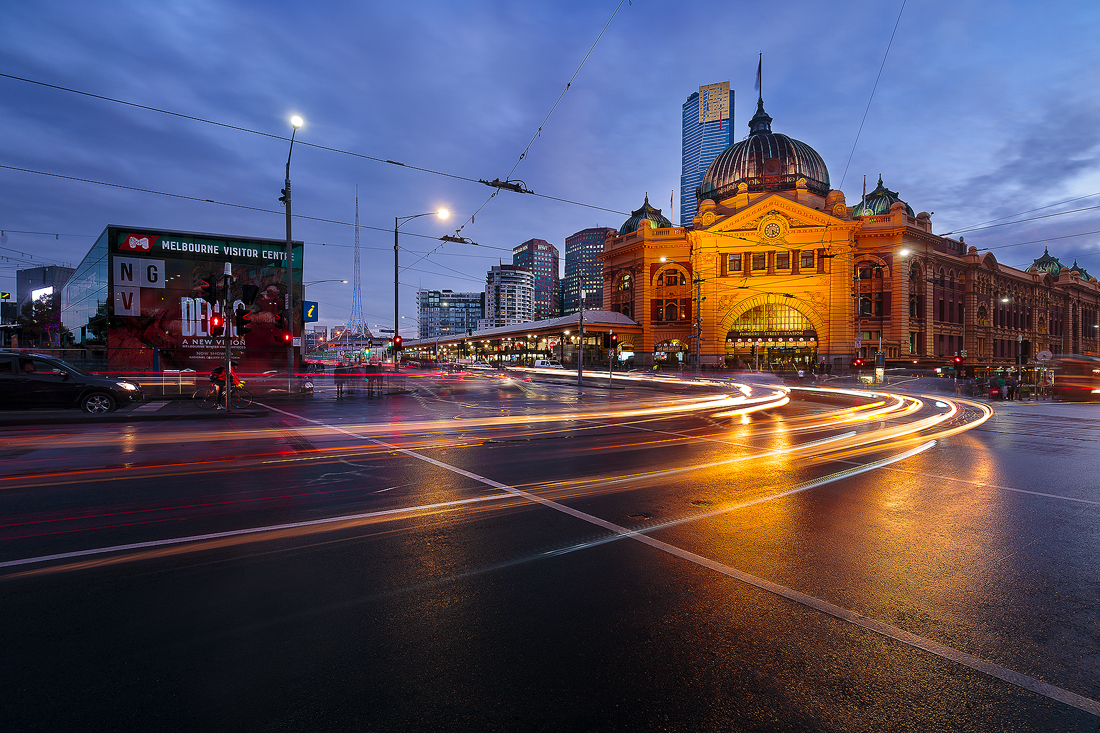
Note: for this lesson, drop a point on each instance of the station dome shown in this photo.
(645, 216)
(879, 202)
(764, 161)
(1047, 263)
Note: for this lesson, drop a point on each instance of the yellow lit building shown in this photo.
(779, 271)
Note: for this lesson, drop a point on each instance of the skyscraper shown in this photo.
(706, 133)
(540, 258)
(583, 269)
(509, 297)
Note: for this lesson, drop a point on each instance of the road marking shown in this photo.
(251, 530)
(150, 406)
(941, 650)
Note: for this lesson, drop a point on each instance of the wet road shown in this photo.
(490, 554)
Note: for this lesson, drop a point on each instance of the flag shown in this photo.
(759, 64)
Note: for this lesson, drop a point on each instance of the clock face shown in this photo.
(772, 230)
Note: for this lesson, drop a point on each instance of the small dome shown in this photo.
(1081, 271)
(1047, 264)
(764, 161)
(645, 214)
(879, 202)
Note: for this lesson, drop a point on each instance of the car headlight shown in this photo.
(127, 386)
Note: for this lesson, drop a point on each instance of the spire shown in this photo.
(760, 121)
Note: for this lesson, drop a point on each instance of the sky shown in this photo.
(982, 111)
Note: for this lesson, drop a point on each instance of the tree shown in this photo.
(42, 318)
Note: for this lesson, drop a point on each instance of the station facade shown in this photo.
(778, 271)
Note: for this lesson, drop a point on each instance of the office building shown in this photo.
(443, 313)
(706, 133)
(583, 269)
(540, 258)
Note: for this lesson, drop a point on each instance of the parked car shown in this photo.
(33, 380)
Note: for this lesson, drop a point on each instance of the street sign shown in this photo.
(297, 341)
(1044, 355)
(859, 342)
(5, 296)
(385, 330)
(309, 311)
(962, 353)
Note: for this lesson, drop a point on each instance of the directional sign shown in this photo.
(309, 311)
(5, 296)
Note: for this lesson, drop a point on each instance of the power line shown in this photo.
(223, 203)
(1048, 206)
(1021, 221)
(299, 141)
(875, 87)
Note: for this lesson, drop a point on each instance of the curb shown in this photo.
(74, 417)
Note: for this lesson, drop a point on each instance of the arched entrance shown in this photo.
(773, 336)
(669, 353)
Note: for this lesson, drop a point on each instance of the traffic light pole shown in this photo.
(228, 338)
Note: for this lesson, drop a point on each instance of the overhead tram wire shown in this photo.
(869, 100)
(1009, 216)
(300, 142)
(225, 203)
(538, 133)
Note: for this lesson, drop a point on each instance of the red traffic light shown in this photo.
(397, 343)
(958, 360)
(286, 337)
(857, 362)
(217, 325)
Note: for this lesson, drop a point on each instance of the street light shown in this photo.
(295, 123)
(397, 222)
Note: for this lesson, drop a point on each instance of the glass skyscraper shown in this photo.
(540, 258)
(584, 270)
(706, 133)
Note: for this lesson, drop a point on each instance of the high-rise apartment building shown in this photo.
(706, 133)
(444, 313)
(540, 258)
(584, 270)
(509, 297)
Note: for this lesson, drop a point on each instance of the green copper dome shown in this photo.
(1046, 263)
(1084, 274)
(645, 214)
(878, 202)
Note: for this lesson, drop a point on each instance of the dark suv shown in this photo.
(31, 380)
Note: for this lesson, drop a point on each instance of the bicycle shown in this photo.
(207, 397)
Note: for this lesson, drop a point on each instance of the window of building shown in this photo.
(806, 260)
(865, 305)
(626, 282)
(670, 312)
(782, 260)
(733, 264)
(671, 276)
(759, 262)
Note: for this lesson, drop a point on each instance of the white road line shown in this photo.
(150, 406)
(981, 665)
(251, 530)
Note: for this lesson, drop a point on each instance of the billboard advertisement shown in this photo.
(158, 319)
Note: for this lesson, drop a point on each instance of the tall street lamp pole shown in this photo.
(397, 222)
(295, 122)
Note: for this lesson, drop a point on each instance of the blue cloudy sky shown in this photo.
(984, 110)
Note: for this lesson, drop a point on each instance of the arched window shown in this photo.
(626, 282)
(671, 276)
(670, 312)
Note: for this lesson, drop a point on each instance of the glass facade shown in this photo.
(84, 301)
(136, 301)
(540, 258)
(705, 120)
(443, 313)
(584, 270)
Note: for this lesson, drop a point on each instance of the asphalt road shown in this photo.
(489, 554)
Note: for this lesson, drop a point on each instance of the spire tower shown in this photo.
(356, 324)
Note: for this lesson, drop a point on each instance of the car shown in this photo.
(481, 365)
(548, 364)
(35, 380)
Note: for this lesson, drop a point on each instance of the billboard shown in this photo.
(159, 320)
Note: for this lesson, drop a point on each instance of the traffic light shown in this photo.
(210, 291)
(958, 360)
(614, 340)
(857, 362)
(389, 346)
(243, 321)
(217, 325)
(283, 197)
(286, 337)
(397, 343)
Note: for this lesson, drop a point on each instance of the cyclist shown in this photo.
(217, 378)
